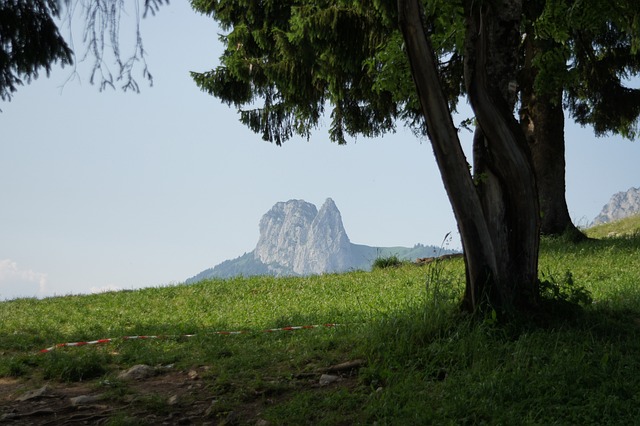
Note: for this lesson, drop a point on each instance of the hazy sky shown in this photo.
(119, 190)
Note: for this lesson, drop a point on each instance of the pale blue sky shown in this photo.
(119, 190)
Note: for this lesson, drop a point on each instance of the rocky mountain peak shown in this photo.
(327, 224)
(283, 231)
(297, 239)
(295, 236)
(328, 247)
(621, 205)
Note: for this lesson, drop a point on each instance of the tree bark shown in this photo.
(497, 214)
(503, 164)
(542, 120)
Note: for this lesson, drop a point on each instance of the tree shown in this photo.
(30, 40)
(542, 120)
(579, 52)
(498, 213)
(298, 57)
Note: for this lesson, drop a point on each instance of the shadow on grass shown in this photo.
(585, 370)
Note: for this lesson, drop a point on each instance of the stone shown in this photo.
(8, 417)
(347, 366)
(213, 408)
(34, 394)
(137, 372)
(231, 419)
(84, 400)
(327, 379)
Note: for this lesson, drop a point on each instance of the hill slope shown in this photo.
(363, 257)
(629, 226)
(401, 354)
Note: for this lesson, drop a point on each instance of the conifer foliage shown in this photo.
(29, 42)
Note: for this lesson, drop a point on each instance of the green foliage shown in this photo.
(601, 266)
(296, 58)
(586, 50)
(29, 42)
(565, 290)
(604, 40)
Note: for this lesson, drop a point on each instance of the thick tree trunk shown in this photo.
(542, 120)
(480, 257)
(497, 214)
(502, 160)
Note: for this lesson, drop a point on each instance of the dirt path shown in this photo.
(171, 398)
(165, 397)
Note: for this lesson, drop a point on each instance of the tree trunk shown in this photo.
(542, 120)
(502, 160)
(497, 214)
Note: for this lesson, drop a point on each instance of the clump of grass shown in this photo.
(122, 419)
(565, 290)
(17, 366)
(68, 366)
(154, 403)
(387, 262)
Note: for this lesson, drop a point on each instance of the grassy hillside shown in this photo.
(629, 226)
(412, 357)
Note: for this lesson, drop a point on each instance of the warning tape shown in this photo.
(226, 333)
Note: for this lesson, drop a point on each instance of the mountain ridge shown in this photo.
(622, 204)
(297, 239)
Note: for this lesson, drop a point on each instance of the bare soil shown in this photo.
(167, 398)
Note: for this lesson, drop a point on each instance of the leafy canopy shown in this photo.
(297, 57)
(286, 61)
(592, 49)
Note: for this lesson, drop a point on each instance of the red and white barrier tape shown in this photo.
(109, 340)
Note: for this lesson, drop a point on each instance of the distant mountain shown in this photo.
(298, 239)
(621, 205)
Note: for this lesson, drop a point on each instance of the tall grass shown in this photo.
(426, 363)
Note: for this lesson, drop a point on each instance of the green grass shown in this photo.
(392, 261)
(426, 363)
(629, 226)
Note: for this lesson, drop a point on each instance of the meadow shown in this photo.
(411, 356)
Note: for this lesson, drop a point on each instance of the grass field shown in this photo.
(416, 359)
